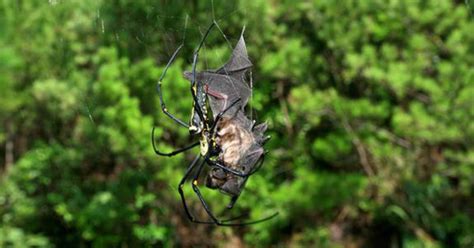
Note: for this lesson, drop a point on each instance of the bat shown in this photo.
(240, 140)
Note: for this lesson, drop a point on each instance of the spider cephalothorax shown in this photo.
(229, 141)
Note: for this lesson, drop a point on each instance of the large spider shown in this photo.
(230, 143)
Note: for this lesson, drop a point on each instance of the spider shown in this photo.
(230, 143)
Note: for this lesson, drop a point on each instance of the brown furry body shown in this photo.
(233, 141)
(238, 152)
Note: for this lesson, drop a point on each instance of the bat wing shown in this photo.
(233, 80)
(228, 83)
(239, 62)
(222, 91)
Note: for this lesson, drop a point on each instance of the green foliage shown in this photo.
(370, 106)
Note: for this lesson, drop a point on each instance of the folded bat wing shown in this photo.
(228, 83)
(239, 62)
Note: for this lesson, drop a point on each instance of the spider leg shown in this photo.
(180, 190)
(235, 172)
(219, 116)
(158, 89)
(225, 222)
(203, 202)
(208, 209)
(170, 153)
(197, 106)
(235, 198)
(194, 184)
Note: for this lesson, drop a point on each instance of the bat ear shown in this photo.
(251, 158)
(260, 128)
(259, 131)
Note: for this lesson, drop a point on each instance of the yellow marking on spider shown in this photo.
(195, 182)
(165, 109)
(204, 146)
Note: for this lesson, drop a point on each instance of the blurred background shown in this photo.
(370, 107)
